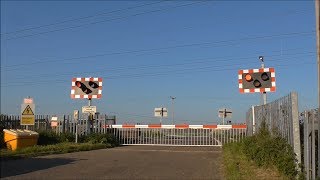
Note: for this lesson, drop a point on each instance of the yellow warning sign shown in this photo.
(27, 111)
(27, 120)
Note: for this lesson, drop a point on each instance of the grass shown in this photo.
(40, 150)
(264, 155)
(238, 166)
(51, 143)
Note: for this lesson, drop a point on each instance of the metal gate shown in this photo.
(178, 135)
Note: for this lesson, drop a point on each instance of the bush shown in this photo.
(267, 150)
(67, 137)
(96, 138)
(50, 137)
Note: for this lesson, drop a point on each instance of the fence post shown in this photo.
(38, 124)
(105, 123)
(295, 126)
(306, 144)
(64, 124)
(253, 121)
(313, 146)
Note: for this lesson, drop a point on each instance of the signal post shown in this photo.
(87, 88)
(261, 80)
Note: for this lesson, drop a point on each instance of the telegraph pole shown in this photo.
(317, 7)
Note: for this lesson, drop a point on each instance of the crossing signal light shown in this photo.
(86, 88)
(264, 76)
(257, 83)
(248, 77)
(83, 87)
(93, 84)
(257, 80)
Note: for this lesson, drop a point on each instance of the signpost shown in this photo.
(224, 113)
(87, 88)
(27, 112)
(89, 109)
(54, 121)
(160, 112)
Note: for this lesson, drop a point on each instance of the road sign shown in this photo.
(27, 111)
(54, 121)
(27, 114)
(89, 109)
(160, 112)
(54, 118)
(86, 88)
(257, 80)
(28, 101)
(75, 115)
(225, 113)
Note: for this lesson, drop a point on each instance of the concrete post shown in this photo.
(295, 126)
(306, 144)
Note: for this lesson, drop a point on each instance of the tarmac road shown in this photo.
(127, 162)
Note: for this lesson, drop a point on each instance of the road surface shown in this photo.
(127, 162)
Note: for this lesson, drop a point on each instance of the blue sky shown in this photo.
(147, 51)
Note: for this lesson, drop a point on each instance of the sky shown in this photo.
(147, 51)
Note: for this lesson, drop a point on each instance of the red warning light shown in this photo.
(248, 77)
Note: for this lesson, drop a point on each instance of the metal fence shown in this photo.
(65, 123)
(281, 116)
(310, 126)
(178, 137)
(166, 135)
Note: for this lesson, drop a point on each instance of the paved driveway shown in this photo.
(128, 162)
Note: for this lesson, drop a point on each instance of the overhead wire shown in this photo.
(128, 8)
(196, 61)
(176, 72)
(82, 18)
(101, 21)
(161, 48)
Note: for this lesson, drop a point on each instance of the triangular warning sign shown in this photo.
(27, 111)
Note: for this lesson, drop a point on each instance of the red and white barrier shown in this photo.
(178, 126)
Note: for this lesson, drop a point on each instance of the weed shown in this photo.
(266, 151)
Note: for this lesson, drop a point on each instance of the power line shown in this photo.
(163, 48)
(142, 5)
(179, 70)
(176, 72)
(97, 22)
(201, 69)
(187, 62)
(278, 15)
(81, 18)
